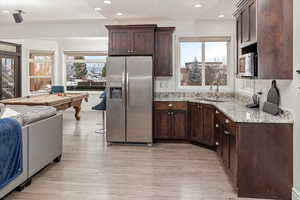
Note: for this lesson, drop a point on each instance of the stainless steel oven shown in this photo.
(248, 65)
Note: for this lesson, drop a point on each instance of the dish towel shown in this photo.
(11, 155)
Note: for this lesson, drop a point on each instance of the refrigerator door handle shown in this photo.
(127, 88)
(123, 88)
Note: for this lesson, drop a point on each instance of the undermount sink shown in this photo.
(212, 99)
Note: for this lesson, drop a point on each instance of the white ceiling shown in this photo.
(38, 11)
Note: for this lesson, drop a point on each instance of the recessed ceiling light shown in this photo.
(98, 9)
(198, 5)
(107, 1)
(5, 11)
(221, 16)
(119, 14)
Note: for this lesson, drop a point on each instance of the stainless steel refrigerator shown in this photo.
(129, 99)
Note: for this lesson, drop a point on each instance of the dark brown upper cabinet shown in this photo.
(245, 25)
(266, 28)
(144, 40)
(253, 22)
(119, 43)
(275, 39)
(126, 40)
(163, 65)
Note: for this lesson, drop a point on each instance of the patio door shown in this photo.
(9, 76)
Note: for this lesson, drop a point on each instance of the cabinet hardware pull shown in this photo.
(226, 132)
(227, 121)
(217, 143)
(170, 105)
(217, 125)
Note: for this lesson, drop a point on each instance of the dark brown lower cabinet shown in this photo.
(163, 125)
(179, 124)
(202, 122)
(219, 139)
(225, 149)
(169, 123)
(257, 157)
(208, 125)
(196, 122)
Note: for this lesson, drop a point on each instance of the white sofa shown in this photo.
(42, 144)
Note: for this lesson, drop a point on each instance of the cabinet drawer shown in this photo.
(170, 105)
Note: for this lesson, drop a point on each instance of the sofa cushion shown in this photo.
(32, 114)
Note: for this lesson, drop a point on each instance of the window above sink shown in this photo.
(203, 61)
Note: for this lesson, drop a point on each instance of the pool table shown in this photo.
(61, 101)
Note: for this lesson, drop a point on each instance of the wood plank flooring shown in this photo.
(91, 170)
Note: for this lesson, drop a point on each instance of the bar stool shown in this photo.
(101, 107)
(57, 89)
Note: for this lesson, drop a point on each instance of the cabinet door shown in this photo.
(163, 125)
(252, 17)
(208, 136)
(196, 122)
(225, 149)
(219, 138)
(245, 25)
(275, 39)
(119, 43)
(142, 42)
(233, 157)
(239, 39)
(179, 124)
(163, 53)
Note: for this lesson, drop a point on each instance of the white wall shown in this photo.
(35, 44)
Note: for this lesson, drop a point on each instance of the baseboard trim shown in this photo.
(296, 194)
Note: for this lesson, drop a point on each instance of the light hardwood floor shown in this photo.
(91, 170)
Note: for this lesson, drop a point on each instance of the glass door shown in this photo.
(8, 66)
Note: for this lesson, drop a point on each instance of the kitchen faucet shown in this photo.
(216, 93)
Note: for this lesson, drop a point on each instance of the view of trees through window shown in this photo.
(203, 63)
(85, 72)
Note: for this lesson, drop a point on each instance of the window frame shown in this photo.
(203, 39)
(79, 53)
(51, 77)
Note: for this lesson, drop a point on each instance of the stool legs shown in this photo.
(103, 129)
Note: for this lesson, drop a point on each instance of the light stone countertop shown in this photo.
(238, 112)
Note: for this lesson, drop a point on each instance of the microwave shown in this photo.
(248, 65)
